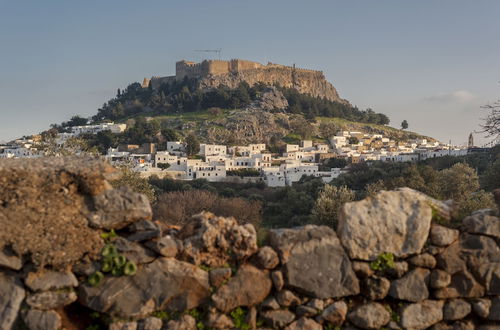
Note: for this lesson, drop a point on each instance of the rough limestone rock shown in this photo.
(270, 303)
(166, 246)
(442, 236)
(439, 279)
(463, 284)
(219, 321)
(425, 260)
(370, 316)
(150, 323)
(219, 275)
(335, 313)
(365, 226)
(271, 99)
(248, 287)
(376, 288)
(411, 287)
(11, 296)
(494, 314)
(469, 249)
(123, 325)
(44, 280)
(133, 251)
(266, 258)
(483, 222)
(143, 230)
(9, 259)
(186, 322)
(208, 238)
(481, 307)
(422, 315)
(117, 208)
(51, 299)
(163, 284)
(42, 320)
(277, 318)
(456, 309)
(314, 261)
(278, 280)
(304, 324)
(363, 269)
(489, 275)
(286, 298)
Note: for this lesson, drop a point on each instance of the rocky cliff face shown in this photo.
(389, 265)
(305, 81)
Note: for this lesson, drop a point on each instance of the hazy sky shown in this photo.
(430, 62)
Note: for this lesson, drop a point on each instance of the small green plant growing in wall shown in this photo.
(383, 262)
(112, 262)
(238, 315)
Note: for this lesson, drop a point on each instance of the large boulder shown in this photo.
(248, 287)
(11, 296)
(412, 286)
(397, 222)
(163, 284)
(483, 222)
(214, 241)
(314, 261)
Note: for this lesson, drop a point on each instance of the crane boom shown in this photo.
(218, 51)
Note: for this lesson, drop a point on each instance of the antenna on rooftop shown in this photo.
(218, 51)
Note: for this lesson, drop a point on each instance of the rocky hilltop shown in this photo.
(78, 254)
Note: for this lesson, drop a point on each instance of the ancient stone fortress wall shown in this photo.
(389, 264)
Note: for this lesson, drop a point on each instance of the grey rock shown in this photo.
(133, 251)
(439, 279)
(186, 322)
(208, 238)
(9, 259)
(45, 280)
(489, 275)
(248, 287)
(278, 281)
(362, 269)
(11, 296)
(150, 323)
(404, 216)
(481, 307)
(47, 300)
(400, 268)
(271, 99)
(456, 309)
(219, 275)
(469, 249)
(286, 298)
(464, 325)
(219, 321)
(123, 325)
(306, 311)
(335, 313)
(465, 285)
(270, 303)
(370, 316)
(117, 208)
(422, 315)
(266, 258)
(166, 246)
(143, 230)
(42, 320)
(376, 288)
(424, 260)
(304, 324)
(484, 223)
(165, 284)
(277, 318)
(443, 236)
(314, 261)
(316, 303)
(411, 287)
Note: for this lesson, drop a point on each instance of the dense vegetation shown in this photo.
(184, 97)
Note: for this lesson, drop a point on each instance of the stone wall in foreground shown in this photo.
(389, 265)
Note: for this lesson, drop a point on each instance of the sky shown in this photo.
(433, 63)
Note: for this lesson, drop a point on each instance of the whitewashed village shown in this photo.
(247, 163)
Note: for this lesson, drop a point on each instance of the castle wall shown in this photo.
(216, 67)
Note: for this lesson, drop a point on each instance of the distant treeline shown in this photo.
(184, 96)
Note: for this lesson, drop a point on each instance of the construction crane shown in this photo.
(217, 51)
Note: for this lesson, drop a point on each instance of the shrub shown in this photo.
(330, 200)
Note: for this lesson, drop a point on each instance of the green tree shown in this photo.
(327, 207)
(134, 181)
(458, 181)
(404, 124)
(192, 145)
(169, 134)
